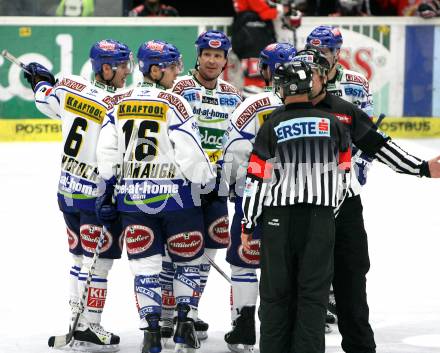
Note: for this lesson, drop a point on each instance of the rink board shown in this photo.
(399, 56)
(33, 130)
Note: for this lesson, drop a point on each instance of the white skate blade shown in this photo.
(183, 348)
(241, 348)
(202, 335)
(81, 346)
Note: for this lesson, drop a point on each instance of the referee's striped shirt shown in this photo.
(295, 159)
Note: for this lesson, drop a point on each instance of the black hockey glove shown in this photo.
(37, 73)
(105, 207)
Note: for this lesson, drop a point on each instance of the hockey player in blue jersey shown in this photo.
(81, 106)
(244, 125)
(151, 143)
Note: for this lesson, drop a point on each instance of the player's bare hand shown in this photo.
(434, 167)
(245, 240)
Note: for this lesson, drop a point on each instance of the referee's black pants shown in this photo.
(349, 283)
(296, 272)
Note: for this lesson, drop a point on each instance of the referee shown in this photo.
(296, 166)
(351, 259)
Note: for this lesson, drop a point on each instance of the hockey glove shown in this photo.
(37, 73)
(105, 207)
(362, 166)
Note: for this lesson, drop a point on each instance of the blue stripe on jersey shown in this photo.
(417, 100)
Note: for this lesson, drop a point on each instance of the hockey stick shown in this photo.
(219, 270)
(14, 60)
(379, 119)
(64, 340)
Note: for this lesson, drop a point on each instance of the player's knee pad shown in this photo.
(146, 265)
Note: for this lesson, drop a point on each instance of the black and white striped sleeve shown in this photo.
(401, 161)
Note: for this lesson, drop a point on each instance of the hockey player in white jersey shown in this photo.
(152, 144)
(238, 142)
(212, 101)
(351, 248)
(81, 106)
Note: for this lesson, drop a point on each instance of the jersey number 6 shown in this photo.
(146, 146)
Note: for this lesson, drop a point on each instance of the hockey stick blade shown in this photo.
(7, 55)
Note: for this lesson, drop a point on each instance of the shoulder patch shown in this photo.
(246, 115)
(181, 85)
(357, 79)
(224, 87)
(344, 118)
(175, 102)
(76, 86)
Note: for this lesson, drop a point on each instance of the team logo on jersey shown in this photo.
(219, 230)
(72, 239)
(107, 46)
(357, 79)
(252, 256)
(215, 43)
(131, 109)
(90, 235)
(182, 85)
(185, 244)
(250, 111)
(175, 102)
(224, 87)
(138, 238)
(210, 100)
(76, 86)
(211, 138)
(85, 108)
(302, 127)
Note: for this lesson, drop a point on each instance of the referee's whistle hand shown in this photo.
(245, 239)
(434, 167)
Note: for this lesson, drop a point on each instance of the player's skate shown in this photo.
(201, 329)
(92, 337)
(241, 339)
(330, 318)
(166, 330)
(152, 341)
(185, 337)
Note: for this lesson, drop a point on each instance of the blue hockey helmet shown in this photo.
(275, 54)
(325, 37)
(213, 40)
(111, 52)
(160, 53)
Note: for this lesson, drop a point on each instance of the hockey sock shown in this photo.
(244, 289)
(205, 267)
(97, 292)
(187, 285)
(73, 283)
(147, 288)
(166, 283)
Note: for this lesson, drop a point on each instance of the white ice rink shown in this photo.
(402, 216)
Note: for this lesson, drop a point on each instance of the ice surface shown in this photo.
(402, 217)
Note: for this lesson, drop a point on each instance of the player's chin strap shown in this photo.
(107, 82)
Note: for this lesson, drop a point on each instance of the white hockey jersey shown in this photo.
(239, 138)
(151, 142)
(212, 110)
(352, 87)
(81, 106)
